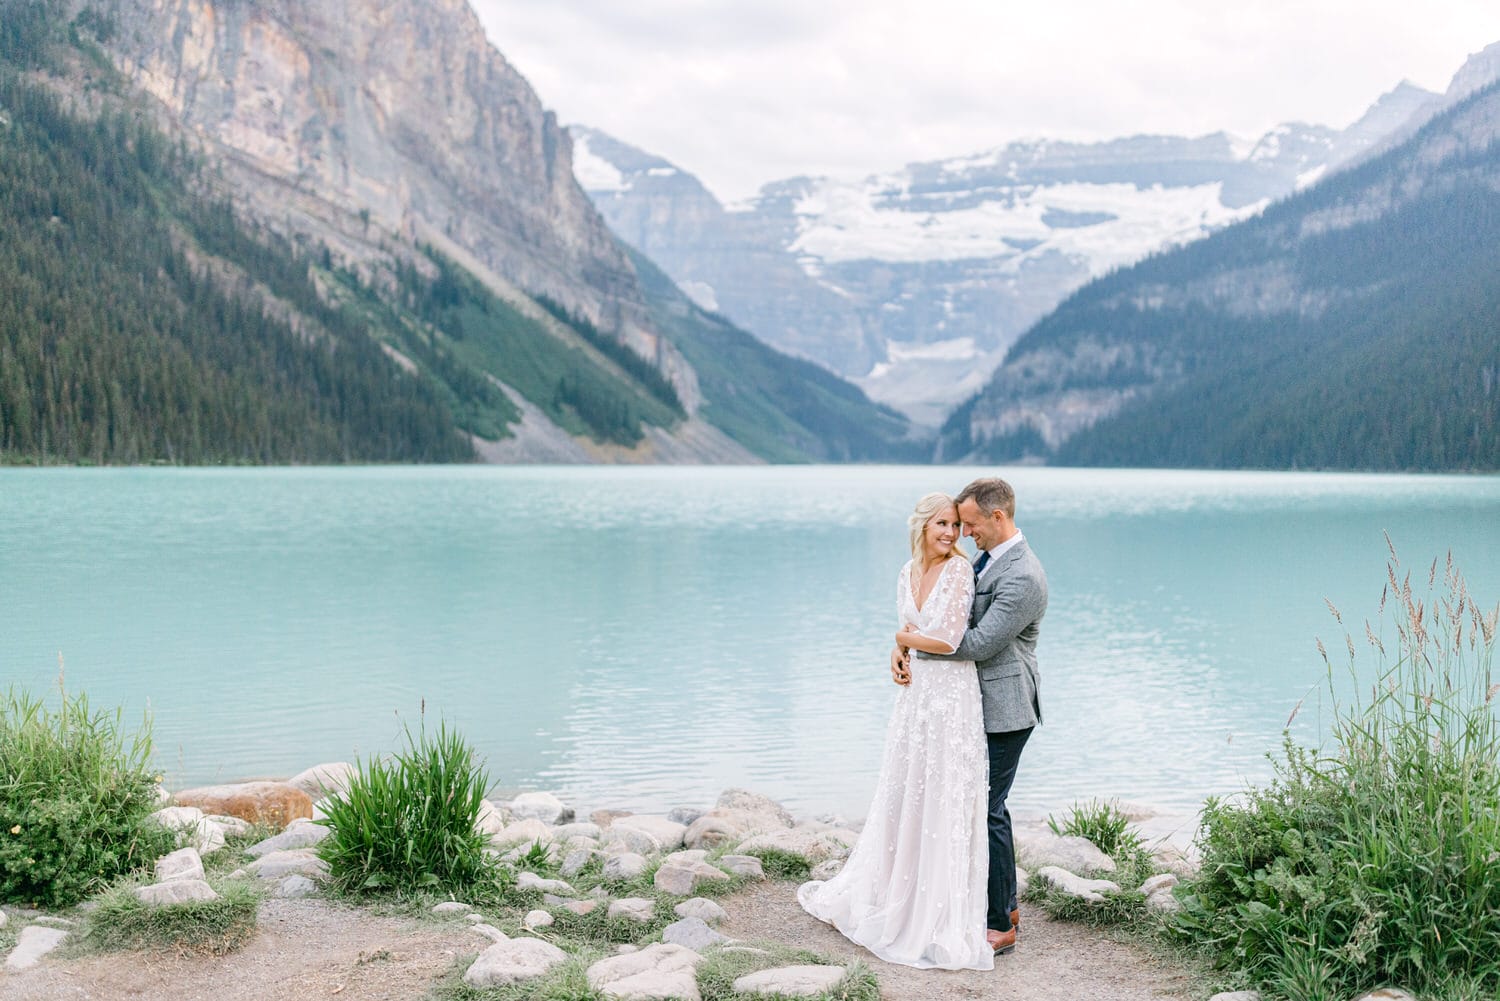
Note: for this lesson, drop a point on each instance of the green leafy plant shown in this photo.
(1101, 822)
(1376, 859)
(75, 791)
(408, 824)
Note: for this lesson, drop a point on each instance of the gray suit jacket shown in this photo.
(1009, 601)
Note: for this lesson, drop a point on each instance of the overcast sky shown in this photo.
(741, 92)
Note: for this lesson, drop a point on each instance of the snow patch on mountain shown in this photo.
(594, 173)
(841, 222)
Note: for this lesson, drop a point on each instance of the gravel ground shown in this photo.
(305, 949)
(312, 949)
(1054, 960)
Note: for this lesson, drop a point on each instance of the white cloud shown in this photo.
(743, 93)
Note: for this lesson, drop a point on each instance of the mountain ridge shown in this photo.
(913, 282)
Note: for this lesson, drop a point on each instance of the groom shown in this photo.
(1010, 597)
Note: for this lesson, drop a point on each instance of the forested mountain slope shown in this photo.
(1353, 326)
(164, 296)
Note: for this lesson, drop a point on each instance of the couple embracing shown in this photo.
(932, 880)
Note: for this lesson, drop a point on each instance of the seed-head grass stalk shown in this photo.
(1376, 859)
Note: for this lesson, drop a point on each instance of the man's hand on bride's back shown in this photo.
(901, 665)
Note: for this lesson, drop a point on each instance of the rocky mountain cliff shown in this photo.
(913, 283)
(351, 120)
(396, 142)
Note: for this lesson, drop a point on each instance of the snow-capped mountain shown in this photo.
(914, 282)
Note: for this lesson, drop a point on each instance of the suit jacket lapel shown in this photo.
(997, 566)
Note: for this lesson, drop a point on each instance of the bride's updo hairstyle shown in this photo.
(926, 509)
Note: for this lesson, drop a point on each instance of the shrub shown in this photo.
(1102, 823)
(409, 824)
(75, 791)
(210, 927)
(1376, 861)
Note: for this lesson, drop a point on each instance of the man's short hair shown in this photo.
(990, 494)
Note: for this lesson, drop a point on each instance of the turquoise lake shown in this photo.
(645, 637)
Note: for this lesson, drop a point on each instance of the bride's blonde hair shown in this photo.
(926, 509)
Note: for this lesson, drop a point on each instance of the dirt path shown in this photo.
(1055, 961)
(305, 949)
(308, 950)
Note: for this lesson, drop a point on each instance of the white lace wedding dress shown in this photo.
(913, 890)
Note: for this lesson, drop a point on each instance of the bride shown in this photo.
(914, 889)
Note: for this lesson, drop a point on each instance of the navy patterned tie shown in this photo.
(981, 563)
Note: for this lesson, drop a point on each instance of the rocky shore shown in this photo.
(728, 872)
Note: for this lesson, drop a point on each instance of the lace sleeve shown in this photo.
(949, 604)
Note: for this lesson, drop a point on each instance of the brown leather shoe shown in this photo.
(1001, 942)
(1015, 918)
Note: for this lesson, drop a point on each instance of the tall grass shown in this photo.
(1375, 860)
(408, 824)
(75, 789)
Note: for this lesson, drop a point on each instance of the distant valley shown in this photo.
(913, 283)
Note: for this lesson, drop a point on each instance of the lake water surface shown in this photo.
(644, 637)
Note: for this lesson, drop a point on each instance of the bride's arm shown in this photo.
(949, 605)
(909, 637)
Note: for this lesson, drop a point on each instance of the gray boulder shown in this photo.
(1036, 849)
(451, 907)
(297, 861)
(531, 881)
(320, 780)
(692, 933)
(488, 931)
(522, 832)
(662, 970)
(295, 887)
(791, 981)
(1091, 890)
(579, 829)
(682, 879)
(684, 815)
(34, 942)
(1161, 881)
(537, 919)
(298, 834)
(635, 908)
(541, 806)
(232, 826)
(814, 846)
(743, 865)
(624, 867)
(618, 839)
(574, 861)
(667, 833)
(175, 891)
(701, 908)
(750, 802)
(184, 863)
(513, 961)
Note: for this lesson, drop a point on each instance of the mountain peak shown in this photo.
(1479, 71)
